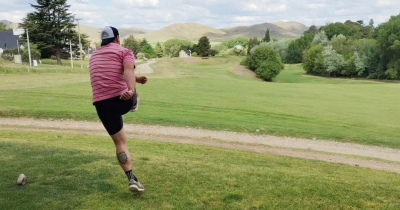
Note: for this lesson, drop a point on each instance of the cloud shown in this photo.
(155, 14)
(136, 3)
(244, 18)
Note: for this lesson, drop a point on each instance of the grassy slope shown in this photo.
(80, 172)
(206, 94)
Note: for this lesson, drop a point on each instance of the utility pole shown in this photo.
(29, 49)
(70, 52)
(80, 45)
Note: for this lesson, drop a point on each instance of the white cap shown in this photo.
(107, 33)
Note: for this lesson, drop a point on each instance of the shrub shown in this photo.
(8, 54)
(140, 56)
(35, 53)
(268, 70)
(265, 61)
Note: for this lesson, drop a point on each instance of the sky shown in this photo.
(156, 14)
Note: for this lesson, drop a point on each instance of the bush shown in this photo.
(8, 54)
(140, 56)
(35, 53)
(268, 70)
(265, 61)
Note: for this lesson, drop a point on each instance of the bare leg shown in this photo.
(124, 159)
(121, 147)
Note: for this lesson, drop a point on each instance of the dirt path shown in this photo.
(145, 68)
(377, 158)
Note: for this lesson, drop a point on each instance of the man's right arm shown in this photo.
(130, 79)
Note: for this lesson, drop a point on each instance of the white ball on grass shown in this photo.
(21, 179)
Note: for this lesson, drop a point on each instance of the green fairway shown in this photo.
(80, 172)
(204, 93)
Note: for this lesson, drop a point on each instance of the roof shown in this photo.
(8, 40)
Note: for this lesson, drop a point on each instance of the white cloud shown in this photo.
(244, 18)
(388, 3)
(136, 3)
(155, 14)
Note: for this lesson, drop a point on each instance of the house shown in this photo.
(8, 40)
(185, 54)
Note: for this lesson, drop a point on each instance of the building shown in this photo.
(185, 54)
(8, 40)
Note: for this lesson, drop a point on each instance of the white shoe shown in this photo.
(135, 186)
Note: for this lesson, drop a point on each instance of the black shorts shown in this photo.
(110, 112)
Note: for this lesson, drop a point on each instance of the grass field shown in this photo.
(71, 171)
(205, 94)
(80, 172)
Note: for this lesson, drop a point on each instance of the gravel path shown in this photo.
(145, 68)
(377, 158)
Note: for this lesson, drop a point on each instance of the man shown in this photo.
(113, 82)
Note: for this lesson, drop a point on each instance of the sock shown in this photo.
(130, 175)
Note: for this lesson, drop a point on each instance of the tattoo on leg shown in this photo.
(122, 158)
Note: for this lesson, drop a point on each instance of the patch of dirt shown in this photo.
(244, 72)
(377, 158)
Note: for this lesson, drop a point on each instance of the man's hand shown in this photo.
(127, 95)
(141, 80)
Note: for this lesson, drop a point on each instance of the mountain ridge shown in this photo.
(193, 31)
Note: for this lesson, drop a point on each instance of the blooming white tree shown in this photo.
(333, 61)
(320, 38)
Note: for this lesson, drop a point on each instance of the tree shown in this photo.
(280, 46)
(173, 46)
(388, 41)
(320, 38)
(4, 27)
(312, 30)
(203, 47)
(313, 61)
(132, 44)
(252, 43)
(159, 50)
(51, 27)
(296, 48)
(143, 43)
(148, 51)
(267, 37)
(349, 29)
(333, 62)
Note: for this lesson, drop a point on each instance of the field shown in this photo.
(79, 171)
(206, 94)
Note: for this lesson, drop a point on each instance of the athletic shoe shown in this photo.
(135, 186)
(135, 106)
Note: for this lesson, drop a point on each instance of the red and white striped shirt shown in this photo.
(107, 71)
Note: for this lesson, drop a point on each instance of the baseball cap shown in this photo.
(109, 32)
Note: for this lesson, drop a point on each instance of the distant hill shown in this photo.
(193, 31)
(123, 32)
(294, 27)
(258, 31)
(9, 24)
(92, 32)
(187, 31)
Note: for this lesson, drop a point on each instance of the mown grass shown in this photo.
(205, 94)
(68, 171)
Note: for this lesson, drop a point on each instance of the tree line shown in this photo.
(349, 49)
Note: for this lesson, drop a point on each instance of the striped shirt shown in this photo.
(107, 71)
